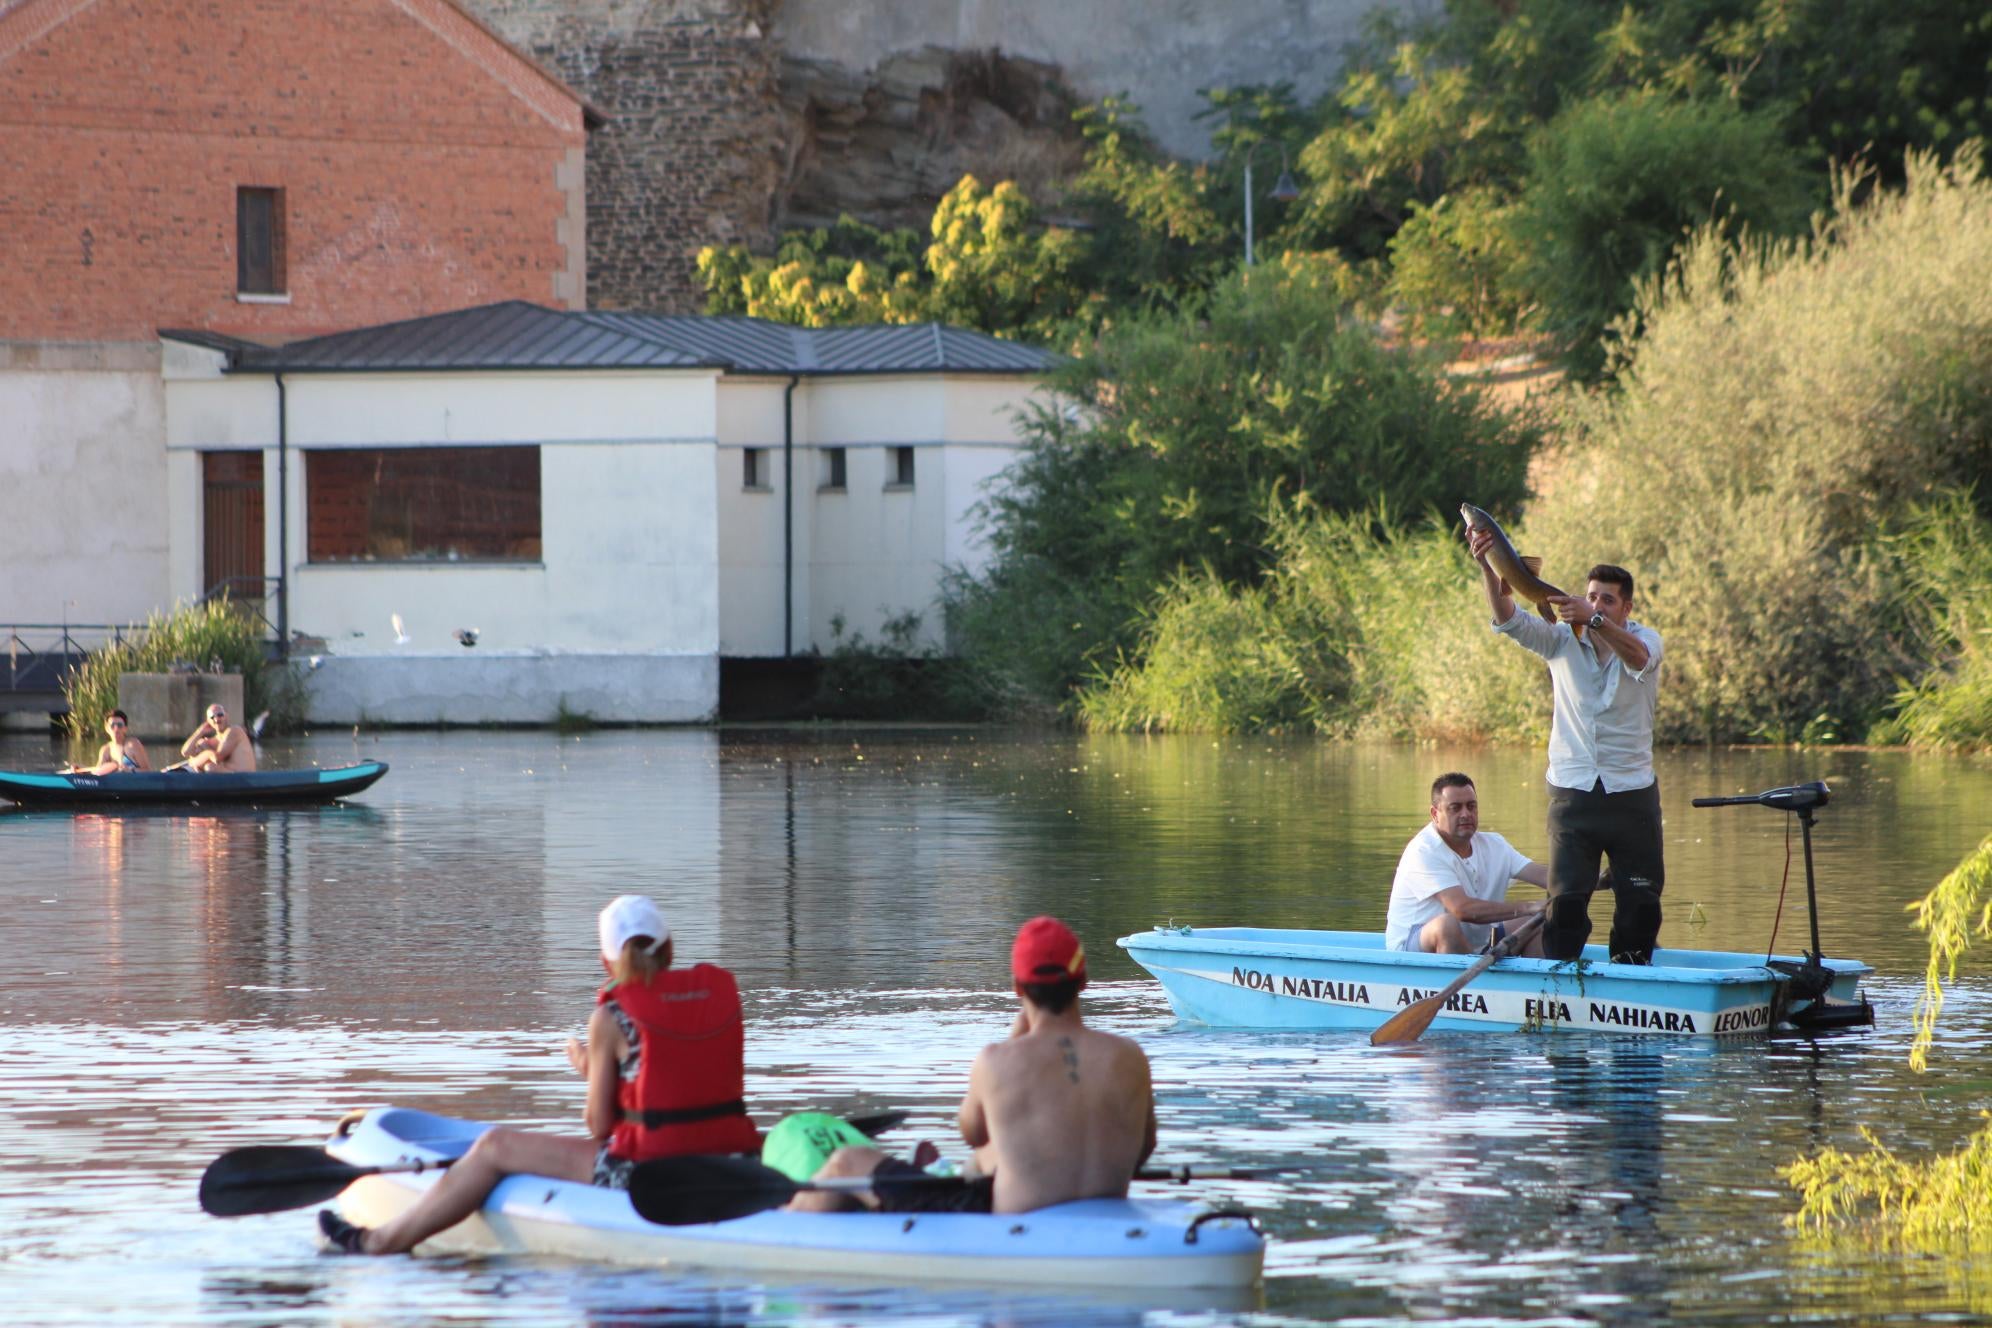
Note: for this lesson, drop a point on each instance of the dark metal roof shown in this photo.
(512, 335)
(518, 335)
(200, 336)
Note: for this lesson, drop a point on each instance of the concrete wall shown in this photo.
(83, 510)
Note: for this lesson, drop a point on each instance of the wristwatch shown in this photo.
(1597, 620)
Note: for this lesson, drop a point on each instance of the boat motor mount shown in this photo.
(1805, 985)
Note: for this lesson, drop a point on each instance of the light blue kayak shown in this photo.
(1097, 1243)
(1259, 977)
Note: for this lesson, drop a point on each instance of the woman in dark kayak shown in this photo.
(664, 1061)
(121, 755)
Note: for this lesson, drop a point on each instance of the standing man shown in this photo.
(1603, 799)
(1450, 895)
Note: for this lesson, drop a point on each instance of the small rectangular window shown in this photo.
(754, 468)
(833, 468)
(902, 468)
(259, 241)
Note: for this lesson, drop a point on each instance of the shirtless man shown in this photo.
(218, 746)
(1056, 1112)
(121, 755)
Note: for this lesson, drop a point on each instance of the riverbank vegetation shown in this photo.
(1936, 1202)
(214, 636)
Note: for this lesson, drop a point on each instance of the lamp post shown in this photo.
(1284, 190)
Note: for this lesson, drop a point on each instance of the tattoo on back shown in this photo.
(1071, 1059)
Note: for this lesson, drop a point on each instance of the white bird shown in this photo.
(256, 724)
(316, 660)
(401, 637)
(466, 637)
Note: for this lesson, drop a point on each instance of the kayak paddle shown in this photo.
(698, 1188)
(1410, 1023)
(270, 1178)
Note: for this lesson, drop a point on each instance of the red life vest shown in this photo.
(689, 1092)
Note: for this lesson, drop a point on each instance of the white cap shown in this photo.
(631, 915)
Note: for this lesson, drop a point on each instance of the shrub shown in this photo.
(199, 635)
(1782, 403)
(1616, 182)
(1452, 266)
(1944, 562)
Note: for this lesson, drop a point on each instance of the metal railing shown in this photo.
(40, 655)
(264, 591)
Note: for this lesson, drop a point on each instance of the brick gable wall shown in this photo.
(424, 166)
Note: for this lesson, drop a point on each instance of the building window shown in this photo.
(259, 241)
(423, 504)
(902, 469)
(833, 468)
(754, 469)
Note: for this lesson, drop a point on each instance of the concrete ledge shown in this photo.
(172, 705)
(512, 688)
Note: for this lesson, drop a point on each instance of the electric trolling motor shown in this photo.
(1805, 985)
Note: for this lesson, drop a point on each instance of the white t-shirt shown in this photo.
(1429, 867)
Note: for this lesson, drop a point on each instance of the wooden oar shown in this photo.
(701, 1188)
(269, 1178)
(1410, 1023)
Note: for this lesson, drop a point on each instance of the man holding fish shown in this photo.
(1604, 672)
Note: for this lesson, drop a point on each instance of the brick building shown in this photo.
(261, 168)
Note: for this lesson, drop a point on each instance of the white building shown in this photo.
(610, 501)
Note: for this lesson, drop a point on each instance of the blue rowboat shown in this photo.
(186, 787)
(1258, 977)
(1101, 1244)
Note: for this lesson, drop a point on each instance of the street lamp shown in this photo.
(1284, 190)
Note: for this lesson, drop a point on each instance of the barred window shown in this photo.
(423, 504)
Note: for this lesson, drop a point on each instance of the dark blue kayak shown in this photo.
(181, 786)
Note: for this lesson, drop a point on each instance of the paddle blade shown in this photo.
(878, 1122)
(1408, 1024)
(271, 1178)
(699, 1188)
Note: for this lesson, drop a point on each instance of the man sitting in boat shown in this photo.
(121, 755)
(1055, 1112)
(1450, 893)
(219, 747)
(665, 1064)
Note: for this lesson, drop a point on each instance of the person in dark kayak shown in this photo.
(119, 756)
(665, 1065)
(218, 747)
(1056, 1112)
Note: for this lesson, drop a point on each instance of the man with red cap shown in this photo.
(1055, 1112)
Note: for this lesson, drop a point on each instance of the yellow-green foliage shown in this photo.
(1949, 915)
(1945, 557)
(1782, 404)
(196, 634)
(1942, 1200)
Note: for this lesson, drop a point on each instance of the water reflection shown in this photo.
(186, 983)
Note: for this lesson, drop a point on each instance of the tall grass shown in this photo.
(199, 636)
(1945, 557)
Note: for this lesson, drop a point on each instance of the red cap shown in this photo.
(1046, 951)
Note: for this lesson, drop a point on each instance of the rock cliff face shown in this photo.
(730, 120)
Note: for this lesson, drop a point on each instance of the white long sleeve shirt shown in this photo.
(1601, 725)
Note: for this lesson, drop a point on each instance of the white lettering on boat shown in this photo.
(1737, 1021)
(1319, 989)
(1544, 1011)
(1465, 1001)
(1638, 1016)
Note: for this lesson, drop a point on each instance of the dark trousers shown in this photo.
(1585, 825)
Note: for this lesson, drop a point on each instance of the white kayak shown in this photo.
(1099, 1243)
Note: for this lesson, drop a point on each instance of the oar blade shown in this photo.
(1408, 1024)
(877, 1122)
(270, 1178)
(700, 1188)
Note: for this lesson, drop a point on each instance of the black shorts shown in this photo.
(896, 1194)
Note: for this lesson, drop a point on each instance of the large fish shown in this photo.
(1519, 575)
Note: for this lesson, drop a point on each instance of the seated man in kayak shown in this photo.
(219, 747)
(665, 1067)
(1450, 895)
(1056, 1112)
(121, 755)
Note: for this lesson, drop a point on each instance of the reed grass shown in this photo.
(198, 636)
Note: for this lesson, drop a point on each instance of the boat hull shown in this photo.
(1111, 1244)
(1253, 977)
(181, 787)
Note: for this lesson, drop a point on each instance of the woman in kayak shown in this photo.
(664, 1061)
(119, 756)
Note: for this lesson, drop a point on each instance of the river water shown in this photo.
(177, 985)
